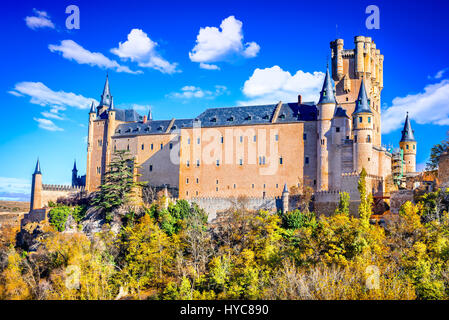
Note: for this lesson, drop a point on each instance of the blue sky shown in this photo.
(246, 52)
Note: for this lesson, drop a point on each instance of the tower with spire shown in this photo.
(325, 108)
(36, 188)
(362, 131)
(74, 175)
(408, 146)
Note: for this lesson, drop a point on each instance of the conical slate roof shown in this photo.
(92, 108)
(74, 166)
(38, 167)
(150, 115)
(285, 188)
(327, 92)
(106, 96)
(362, 104)
(407, 133)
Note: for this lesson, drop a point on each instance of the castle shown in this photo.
(262, 152)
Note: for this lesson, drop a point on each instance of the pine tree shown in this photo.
(119, 182)
(343, 204)
(366, 201)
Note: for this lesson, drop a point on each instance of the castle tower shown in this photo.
(362, 130)
(90, 144)
(74, 175)
(106, 98)
(408, 146)
(349, 66)
(285, 196)
(36, 188)
(326, 109)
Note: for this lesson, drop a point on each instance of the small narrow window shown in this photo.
(143, 146)
(187, 181)
(216, 181)
(241, 161)
(171, 146)
(198, 141)
(151, 147)
(234, 186)
(127, 148)
(360, 119)
(277, 137)
(281, 160)
(151, 167)
(304, 136)
(255, 138)
(413, 147)
(369, 119)
(241, 139)
(307, 160)
(197, 163)
(162, 146)
(197, 180)
(368, 138)
(355, 138)
(406, 146)
(222, 139)
(188, 140)
(188, 163)
(218, 163)
(252, 186)
(337, 129)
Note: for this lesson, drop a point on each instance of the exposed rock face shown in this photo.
(30, 236)
(94, 221)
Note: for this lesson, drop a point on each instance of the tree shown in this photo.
(119, 183)
(435, 153)
(366, 200)
(343, 204)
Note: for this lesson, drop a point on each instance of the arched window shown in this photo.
(368, 138)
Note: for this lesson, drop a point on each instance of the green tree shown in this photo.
(366, 200)
(343, 204)
(119, 183)
(435, 153)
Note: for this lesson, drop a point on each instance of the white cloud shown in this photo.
(73, 51)
(58, 100)
(39, 20)
(52, 115)
(47, 124)
(213, 44)
(188, 92)
(14, 189)
(439, 74)
(141, 49)
(428, 107)
(208, 66)
(271, 85)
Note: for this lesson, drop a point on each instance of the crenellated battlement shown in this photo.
(58, 187)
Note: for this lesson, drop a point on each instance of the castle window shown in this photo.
(171, 146)
(143, 146)
(188, 163)
(276, 137)
(162, 146)
(115, 148)
(98, 170)
(282, 116)
(323, 141)
(369, 119)
(281, 160)
(406, 146)
(218, 163)
(413, 147)
(265, 117)
(314, 182)
(355, 138)
(198, 141)
(216, 189)
(337, 129)
(347, 99)
(241, 161)
(127, 147)
(360, 119)
(264, 185)
(151, 167)
(231, 118)
(187, 193)
(304, 136)
(187, 180)
(214, 119)
(368, 138)
(197, 163)
(277, 185)
(222, 139)
(241, 139)
(188, 140)
(307, 160)
(248, 118)
(252, 186)
(255, 138)
(100, 143)
(234, 186)
(197, 193)
(197, 180)
(151, 147)
(369, 159)
(217, 181)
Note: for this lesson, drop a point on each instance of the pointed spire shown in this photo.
(327, 92)
(38, 167)
(106, 96)
(150, 115)
(112, 104)
(92, 108)
(362, 105)
(285, 188)
(407, 133)
(74, 166)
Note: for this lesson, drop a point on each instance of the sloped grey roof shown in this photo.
(327, 92)
(407, 133)
(340, 112)
(361, 104)
(218, 117)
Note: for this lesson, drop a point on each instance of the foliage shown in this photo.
(119, 183)
(366, 200)
(435, 153)
(59, 214)
(343, 204)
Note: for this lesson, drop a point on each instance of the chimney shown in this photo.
(145, 119)
(299, 99)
